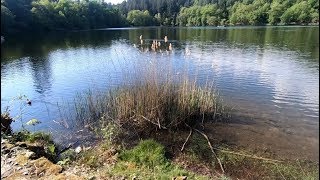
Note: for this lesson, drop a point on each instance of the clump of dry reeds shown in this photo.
(165, 104)
(151, 98)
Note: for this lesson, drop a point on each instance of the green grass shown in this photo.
(147, 161)
(147, 152)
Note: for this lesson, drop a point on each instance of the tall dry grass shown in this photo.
(152, 97)
(164, 104)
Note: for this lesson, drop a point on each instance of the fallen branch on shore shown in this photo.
(159, 125)
(187, 138)
(211, 148)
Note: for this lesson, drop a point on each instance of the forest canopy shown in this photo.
(22, 15)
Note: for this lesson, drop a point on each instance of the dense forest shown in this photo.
(25, 15)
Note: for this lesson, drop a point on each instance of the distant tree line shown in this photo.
(224, 12)
(91, 14)
(58, 14)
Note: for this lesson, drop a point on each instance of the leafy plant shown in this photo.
(33, 122)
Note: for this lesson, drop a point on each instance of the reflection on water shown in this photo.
(270, 73)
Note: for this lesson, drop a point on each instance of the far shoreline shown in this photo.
(161, 26)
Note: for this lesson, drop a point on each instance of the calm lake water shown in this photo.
(269, 75)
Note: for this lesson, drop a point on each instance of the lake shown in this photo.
(268, 75)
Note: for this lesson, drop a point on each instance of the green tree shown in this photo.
(297, 13)
(199, 15)
(247, 13)
(140, 18)
(275, 12)
(7, 19)
(44, 13)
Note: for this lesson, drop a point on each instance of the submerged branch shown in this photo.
(246, 155)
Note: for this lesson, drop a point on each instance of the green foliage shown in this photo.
(200, 15)
(148, 153)
(7, 19)
(275, 12)
(21, 11)
(140, 18)
(314, 16)
(109, 132)
(298, 13)
(67, 156)
(51, 149)
(21, 15)
(147, 161)
(33, 122)
(38, 136)
(60, 14)
(250, 14)
(43, 143)
(64, 162)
